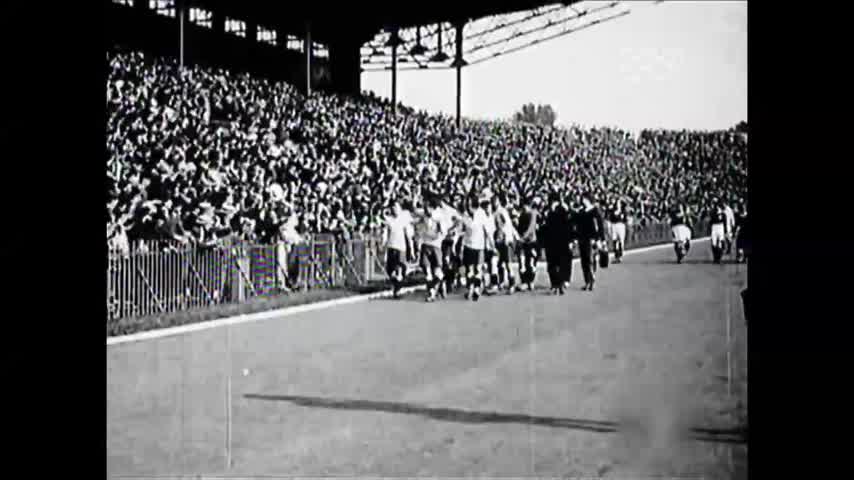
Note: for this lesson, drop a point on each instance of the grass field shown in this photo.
(629, 381)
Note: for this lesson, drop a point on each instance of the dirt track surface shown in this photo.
(628, 381)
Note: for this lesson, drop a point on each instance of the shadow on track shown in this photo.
(687, 261)
(732, 436)
(459, 295)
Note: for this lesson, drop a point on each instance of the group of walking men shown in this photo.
(476, 243)
(725, 232)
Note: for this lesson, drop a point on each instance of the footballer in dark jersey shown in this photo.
(681, 232)
(618, 218)
(718, 219)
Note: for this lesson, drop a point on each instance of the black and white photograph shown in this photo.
(401, 240)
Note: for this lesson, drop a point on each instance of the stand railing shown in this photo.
(149, 280)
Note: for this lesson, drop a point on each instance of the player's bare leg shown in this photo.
(439, 282)
(493, 274)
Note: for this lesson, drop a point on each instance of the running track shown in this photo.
(627, 381)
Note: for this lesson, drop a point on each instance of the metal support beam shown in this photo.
(394, 77)
(307, 46)
(252, 32)
(459, 64)
(218, 19)
(182, 9)
(459, 94)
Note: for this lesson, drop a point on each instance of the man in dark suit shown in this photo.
(528, 242)
(556, 242)
(590, 233)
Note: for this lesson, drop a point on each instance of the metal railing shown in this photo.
(151, 281)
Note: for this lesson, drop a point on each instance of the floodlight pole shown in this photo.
(181, 13)
(394, 72)
(459, 63)
(307, 48)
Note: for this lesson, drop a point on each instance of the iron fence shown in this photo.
(165, 277)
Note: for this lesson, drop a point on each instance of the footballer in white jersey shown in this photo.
(452, 246)
(398, 241)
(474, 243)
(730, 228)
(430, 234)
(489, 252)
(506, 237)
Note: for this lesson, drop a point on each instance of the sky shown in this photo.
(671, 65)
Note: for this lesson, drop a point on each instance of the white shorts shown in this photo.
(718, 233)
(681, 233)
(618, 232)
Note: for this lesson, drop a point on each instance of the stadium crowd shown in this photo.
(201, 155)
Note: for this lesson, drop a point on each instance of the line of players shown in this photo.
(724, 232)
(475, 243)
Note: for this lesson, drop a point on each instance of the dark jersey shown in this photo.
(588, 225)
(718, 215)
(740, 219)
(678, 217)
(616, 215)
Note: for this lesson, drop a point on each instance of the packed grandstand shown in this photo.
(201, 155)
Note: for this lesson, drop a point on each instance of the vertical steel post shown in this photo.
(459, 57)
(180, 5)
(307, 48)
(394, 72)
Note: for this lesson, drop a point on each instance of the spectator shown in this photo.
(241, 145)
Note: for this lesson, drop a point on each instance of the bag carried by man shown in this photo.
(604, 257)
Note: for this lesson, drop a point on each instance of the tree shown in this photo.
(538, 115)
(741, 127)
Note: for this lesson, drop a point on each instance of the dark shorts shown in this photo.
(449, 256)
(506, 252)
(529, 250)
(472, 257)
(393, 260)
(431, 258)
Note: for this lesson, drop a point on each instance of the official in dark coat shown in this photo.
(589, 229)
(528, 250)
(556, 240)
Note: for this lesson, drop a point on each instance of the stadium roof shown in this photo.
(362, 18)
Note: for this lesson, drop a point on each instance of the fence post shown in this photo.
(304, 264)
(238, 285)
(333, 245)
(369, 252)
(311, 262)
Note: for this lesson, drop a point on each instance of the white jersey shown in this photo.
(288, 231)
(398, 229)
(730, 219)
(474, 234)
(506, 231)
(449, 222)
(490, 227)
(447, 215)
(430, 231)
